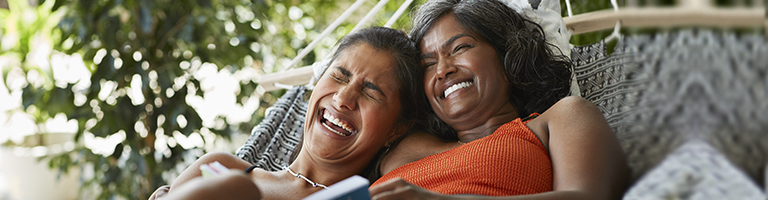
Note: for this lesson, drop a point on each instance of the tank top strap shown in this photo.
(249, 169)
(530, 117)
(525, 120)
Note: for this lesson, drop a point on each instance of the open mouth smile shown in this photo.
(455, 87)
(336, 125)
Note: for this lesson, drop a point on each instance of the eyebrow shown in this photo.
(343, 71)
(446, 44)
(374, 87)
(366, 84)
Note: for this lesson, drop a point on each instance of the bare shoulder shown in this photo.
(586, 154)
(575, 117)
(226, 186)
(568, 113)
(419, 138)
(227, 159)
(571, 110)
(413, 147)
(573, 105)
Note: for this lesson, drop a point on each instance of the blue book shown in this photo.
(352, 188)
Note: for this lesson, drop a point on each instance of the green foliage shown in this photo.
(21, 24)
(156, 44)
(143, 58)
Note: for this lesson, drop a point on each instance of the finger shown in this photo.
(382, 196)
(389, 185)
(398, 193)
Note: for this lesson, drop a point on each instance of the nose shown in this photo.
(346, 98)
(445, 68)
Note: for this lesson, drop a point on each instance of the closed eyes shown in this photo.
(461, 47)
(342, 76)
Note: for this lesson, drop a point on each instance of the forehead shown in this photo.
(372, 65)
(444, 28)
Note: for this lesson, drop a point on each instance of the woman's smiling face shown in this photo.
(463, 77)
(355, 105)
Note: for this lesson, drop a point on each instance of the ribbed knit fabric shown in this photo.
(511, 161)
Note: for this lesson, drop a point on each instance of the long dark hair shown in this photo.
(407, 74)
(538, 77)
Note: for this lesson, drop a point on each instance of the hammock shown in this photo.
(688, 106)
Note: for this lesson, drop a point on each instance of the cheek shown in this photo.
(311, 110)
(314, 99)
(381, 119)
(428, 82)
(322, 90)
(489, 68)
(499, 74)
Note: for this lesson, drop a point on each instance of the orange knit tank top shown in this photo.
(511, 161)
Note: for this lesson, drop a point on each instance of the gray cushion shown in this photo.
(695, 171)
(658, 91)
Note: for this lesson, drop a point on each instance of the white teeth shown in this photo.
(336, 122)
(455, 87)
(334, 131)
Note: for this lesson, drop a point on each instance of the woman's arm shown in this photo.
(587, 159)
(193, 171)
(399, 189)
(232, 185)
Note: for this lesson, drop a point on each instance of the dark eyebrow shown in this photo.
(446, 44)
(366, 84)
(427, 55)
(374, 87)
(344, 72)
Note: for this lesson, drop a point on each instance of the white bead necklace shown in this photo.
(305, 178)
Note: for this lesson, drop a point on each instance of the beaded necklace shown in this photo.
(305, 178)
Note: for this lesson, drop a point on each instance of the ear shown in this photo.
(398, 132)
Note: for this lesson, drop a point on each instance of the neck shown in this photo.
(318, 171)
(504, 115)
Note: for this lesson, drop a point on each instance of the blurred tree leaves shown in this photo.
(143, 58)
